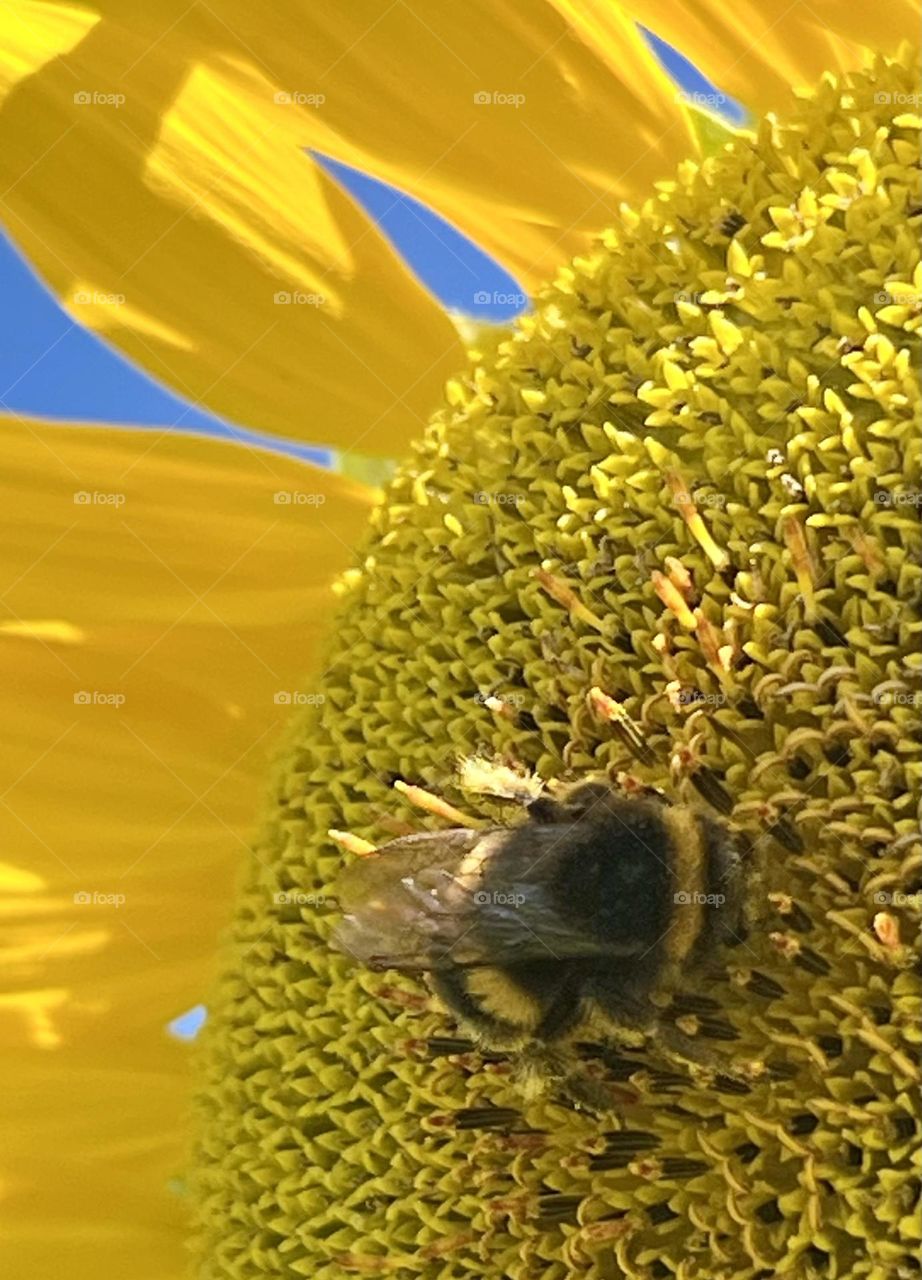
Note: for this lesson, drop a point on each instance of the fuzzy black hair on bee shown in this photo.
(596, 903)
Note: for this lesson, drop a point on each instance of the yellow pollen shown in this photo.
(690, 514)
(564, 594)
(423, 799)
(352, 844)
(673, 599)
(796, 542)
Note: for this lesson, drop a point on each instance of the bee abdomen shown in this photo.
(707, 888)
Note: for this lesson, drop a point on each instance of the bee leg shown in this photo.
(638, 1026)
(636, 1023)
(588, 1095)
(625, 1037)
(692, 1053)
(563, 1012)
(451, 986)
(540, 1068)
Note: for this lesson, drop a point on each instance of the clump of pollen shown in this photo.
(668, 529)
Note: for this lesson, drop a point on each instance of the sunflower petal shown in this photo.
(200, 236)
(757, 50)
(523, 127)
(92, 1167)
(149, 648)
(177, 139)
(79, 498)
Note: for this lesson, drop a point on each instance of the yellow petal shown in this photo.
(150, 173)
(177, 198)
(757, 50)
(524, 126)
(92, 1167)
(183, 525)
(150, 650)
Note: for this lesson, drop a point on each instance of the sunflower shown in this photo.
(689, 479)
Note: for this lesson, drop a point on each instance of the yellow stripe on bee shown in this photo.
(689, 867)
(501, 997)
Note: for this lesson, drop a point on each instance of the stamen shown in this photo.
(793, 912)
(500, 708)
(608, 709)
(680, 578)
(887, 928)
(673, 599)
(448, 1245)
(432, 804)
(867, 548)
(794, 537)
(690, 514)
(794, 950)
(564, 594)
(720, 655)
(366, 1263)
(352, 844)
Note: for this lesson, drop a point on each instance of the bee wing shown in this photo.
(409, 903)
(532, 928)
(420, 903)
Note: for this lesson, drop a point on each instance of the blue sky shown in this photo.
(52, 367)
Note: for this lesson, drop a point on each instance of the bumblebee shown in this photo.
(588, 911)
